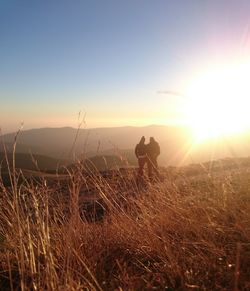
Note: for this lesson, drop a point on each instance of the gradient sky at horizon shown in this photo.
(109, 58)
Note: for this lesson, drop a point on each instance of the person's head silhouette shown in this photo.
(142, 139)
(151, 140)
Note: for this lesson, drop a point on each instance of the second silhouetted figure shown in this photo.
(153, 151)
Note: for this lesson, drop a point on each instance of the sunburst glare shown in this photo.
(218, 101)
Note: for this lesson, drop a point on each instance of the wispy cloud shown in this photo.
(169, 92)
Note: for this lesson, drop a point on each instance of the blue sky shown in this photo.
(109, 58)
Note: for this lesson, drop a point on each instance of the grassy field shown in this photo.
(190, 231)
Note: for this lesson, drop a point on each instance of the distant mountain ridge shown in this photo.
(60, 142)
(176, 143)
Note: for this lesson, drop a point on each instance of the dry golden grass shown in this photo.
(189, 232)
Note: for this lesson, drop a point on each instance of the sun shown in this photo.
(218, 101)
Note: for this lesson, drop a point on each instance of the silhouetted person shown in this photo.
(141, 154)
(153, 151)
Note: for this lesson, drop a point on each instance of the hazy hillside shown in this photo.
(105, 162)
(59, 142)
(29, 162)
(20, 148)
(177, 146)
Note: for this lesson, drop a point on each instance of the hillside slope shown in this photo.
(31, 162)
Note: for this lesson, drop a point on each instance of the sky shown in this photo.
(110, 60)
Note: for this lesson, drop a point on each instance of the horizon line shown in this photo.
(92, 128)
